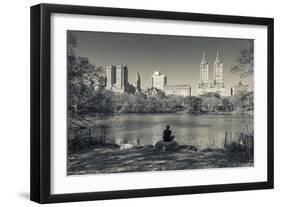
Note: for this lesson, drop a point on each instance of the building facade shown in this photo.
(137, 83)
(178, 90)
(152, 92)
(218, 71)
(204, 69)
(159, 81)
(117, 78)
(122, 77)
(216, 84)
(110, 76)
(241, 89)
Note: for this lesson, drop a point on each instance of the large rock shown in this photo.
(188, 148)
(166, 146)
(126, 146)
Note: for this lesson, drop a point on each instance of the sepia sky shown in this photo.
(178, 57)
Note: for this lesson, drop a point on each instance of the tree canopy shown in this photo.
(245, 61)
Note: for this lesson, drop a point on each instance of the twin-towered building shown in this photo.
(206, 84)
(214, 84)
(117, 79)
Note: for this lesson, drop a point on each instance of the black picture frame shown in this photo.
(41, 102)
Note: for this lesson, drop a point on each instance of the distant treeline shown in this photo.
(106, 101)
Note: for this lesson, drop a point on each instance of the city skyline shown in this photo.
(177, 57)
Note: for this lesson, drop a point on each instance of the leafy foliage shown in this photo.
(245, 61)
(83, 78)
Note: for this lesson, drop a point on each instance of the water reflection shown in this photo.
(202, 131)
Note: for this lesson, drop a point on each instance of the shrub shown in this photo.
(242, 149)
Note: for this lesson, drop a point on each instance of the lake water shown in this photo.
(199, 130)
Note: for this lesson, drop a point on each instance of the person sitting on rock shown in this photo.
(167, 134)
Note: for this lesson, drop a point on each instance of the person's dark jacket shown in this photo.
(167, 135)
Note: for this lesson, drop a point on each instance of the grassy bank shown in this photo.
(111, 159)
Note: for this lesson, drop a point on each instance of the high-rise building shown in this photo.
(121, 84)
(138, 82)
(215, 85)
(117, 78)
(159, 81)
(204, 69)
(218, 70)
(110, 76)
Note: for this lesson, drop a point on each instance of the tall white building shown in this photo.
(216, 84)
(204, 69)
(218, 70)
(159, 81)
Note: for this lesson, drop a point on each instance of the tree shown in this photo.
(89, 105)
(83, 80)
(176, 103)
(243, 101)
(71, 43)
(227, 104)
(153, 104)
(211, 94)
(83, 77)
(194, 103)
(121, 102)
(245, 61)
(140, 103)
(211, 101)
(101, 101)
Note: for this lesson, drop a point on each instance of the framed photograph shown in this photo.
(132, 103)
